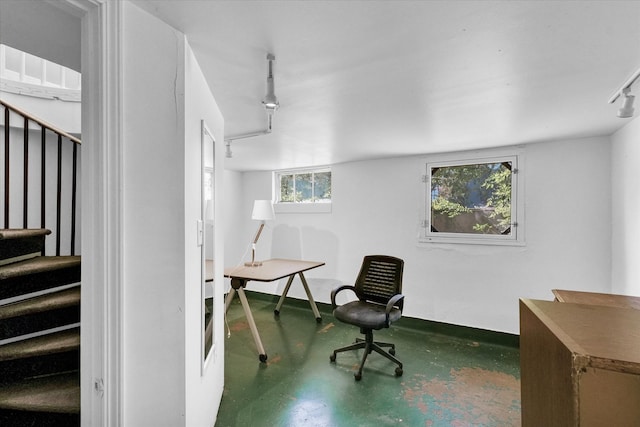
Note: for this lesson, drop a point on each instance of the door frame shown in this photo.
(101, 381)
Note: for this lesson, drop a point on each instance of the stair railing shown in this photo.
(45, 128)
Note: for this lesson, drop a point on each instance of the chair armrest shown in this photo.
(395, 300)
(335, 292)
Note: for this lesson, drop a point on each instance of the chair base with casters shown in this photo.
(380, 302)
(369, 345)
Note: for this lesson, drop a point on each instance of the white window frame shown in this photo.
(22, 83)
(299, 207)
(517, 235)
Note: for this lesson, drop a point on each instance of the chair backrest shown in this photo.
(379, 279)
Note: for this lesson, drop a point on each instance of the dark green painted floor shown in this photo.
(448, 380)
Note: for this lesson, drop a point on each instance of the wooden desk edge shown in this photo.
(597, 298)
(314, 264)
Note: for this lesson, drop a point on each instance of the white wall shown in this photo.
(625, 248)
(234, 213)
(376, 209)
(153, 185)
(203, 392)
(64, 115)
(42, 29)
(165, 97)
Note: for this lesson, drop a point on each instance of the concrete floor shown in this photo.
(448, 380)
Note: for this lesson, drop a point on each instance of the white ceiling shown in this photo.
(371, 79)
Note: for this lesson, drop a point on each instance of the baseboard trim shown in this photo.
(463, 332)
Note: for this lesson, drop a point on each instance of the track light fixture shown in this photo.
(227, 146)
(626, 110)
(624, 92)
(270, 103)
(270, 100)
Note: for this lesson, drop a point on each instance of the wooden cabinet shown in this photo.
(579, 364)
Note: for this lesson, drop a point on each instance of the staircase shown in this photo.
(39, 332)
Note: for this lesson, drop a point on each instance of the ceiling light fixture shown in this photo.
(270, 103)
(626, 110)
(270, 100)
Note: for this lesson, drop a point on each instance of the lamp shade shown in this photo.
(263, 210)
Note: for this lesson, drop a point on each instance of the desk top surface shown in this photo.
(595, 298)
(272, 269)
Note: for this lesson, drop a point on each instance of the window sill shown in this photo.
(425, 241)
(302, 207)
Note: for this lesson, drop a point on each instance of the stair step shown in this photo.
(56, 342)
(21, 233)
(39, 273)
(54, 393)
(43, 355)
(40, 313)
(12, 418)
(65, 298)
(43, 264)
(39, 333)
(20, 244)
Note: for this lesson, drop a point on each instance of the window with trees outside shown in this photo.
(473, 201)
(303, 187)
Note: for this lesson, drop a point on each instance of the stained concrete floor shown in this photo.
(448, 380)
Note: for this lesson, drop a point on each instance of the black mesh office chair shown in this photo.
(378, 288)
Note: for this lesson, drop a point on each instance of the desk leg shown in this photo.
(312, 303)
(252, 324)
(284, 295)
(228, 299)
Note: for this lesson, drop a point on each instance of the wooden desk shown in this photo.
(270, 270)
(595, 298)
(579, 364)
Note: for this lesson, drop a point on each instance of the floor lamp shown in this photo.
(262, 211)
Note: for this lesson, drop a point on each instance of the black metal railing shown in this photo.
(9, 187)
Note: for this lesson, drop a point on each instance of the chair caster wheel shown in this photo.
(392, 351)
(332, 357)
(318, 319)
(276, 312)
(263, 358)
(398, 372)
(357, 376)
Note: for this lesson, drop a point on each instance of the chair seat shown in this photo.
(365, 315)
